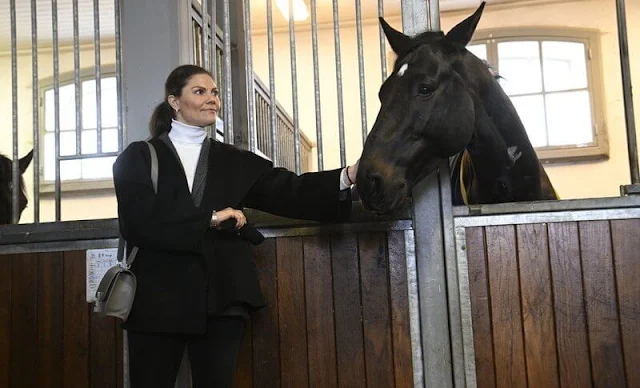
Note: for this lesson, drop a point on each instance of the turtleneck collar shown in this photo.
(185, 133)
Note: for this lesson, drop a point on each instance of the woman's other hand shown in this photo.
(352, 172)
(228, 213)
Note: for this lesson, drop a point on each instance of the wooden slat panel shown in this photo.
(23, 321)
(266, 340)
(320, 321)
(244, 370)
(568, 301)
(626, 250)
(399, 294)
(119, 355)
(505, 307)
(348, 311)
(50, 308)
(102, 354)
(480, 307)
(291, 313)
(375, 309)
(602, 310)
(537, 306)
(6, 264)
(76, 321)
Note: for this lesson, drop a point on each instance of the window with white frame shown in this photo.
(81, 169)
(553, 79)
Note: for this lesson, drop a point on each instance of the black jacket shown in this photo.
(185, 270)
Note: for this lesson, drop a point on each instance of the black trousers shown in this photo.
(154, 358)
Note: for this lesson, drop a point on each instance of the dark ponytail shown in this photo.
(163, 113)
(161, 119)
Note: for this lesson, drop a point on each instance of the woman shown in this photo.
(196, 282)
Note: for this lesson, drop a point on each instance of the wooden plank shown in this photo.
(571, 333)
(49, 328)
(601, 302)
(102, 356)
(320, 320)
(23, 321)
(537, 306)
(626, 248)
(76, 321)
(6, 271)
(348, 310)
(505, 307)
(400, 321)
(291, 313)
(266, 338)
(480, 307)
(119, 355)
(375, 309)
(244, 370)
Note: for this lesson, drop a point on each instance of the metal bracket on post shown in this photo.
(633, 189)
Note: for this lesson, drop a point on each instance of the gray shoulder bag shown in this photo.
(114, 296)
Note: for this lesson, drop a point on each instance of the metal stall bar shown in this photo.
(98, 74)
(363, 93)
(205, 34)
(336, 38)
(383, 47)
(632, 145)
(316, 83)
(76, 78)
(294, 88)
(212, 42)
(121, 129)
(15, 170)
(56, 107)
(228, 103)
(273, 113)
(251, 97)
(36, 118)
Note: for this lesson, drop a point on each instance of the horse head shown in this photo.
(427, 113)
(6, 187)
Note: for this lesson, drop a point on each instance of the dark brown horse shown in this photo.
(442, 102)
(6, 187)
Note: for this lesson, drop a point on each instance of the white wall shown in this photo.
(574, 180)
(74, 207)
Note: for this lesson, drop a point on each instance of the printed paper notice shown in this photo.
(98, 262)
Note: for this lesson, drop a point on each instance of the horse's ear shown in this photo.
(25, 161)
(461, 34)
(399, 42)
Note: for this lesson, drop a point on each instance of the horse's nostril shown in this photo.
(375, 179)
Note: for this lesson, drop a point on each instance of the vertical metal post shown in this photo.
(98, 73)
(336, 38)
(383, 46)
(251, 103)
(363, 92)
(15, 171)
(316, 84)
(275, 154)
(228, 95)
(205, 33)
(36, 111)
(632, 145)
(56, 107)
(76, 77)
(119, 94)
(294, 88)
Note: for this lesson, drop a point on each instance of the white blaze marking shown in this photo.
(403, 68)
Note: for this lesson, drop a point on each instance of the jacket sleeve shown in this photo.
(147, 220)
(311, 196)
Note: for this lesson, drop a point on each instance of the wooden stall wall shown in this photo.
(48, 335)
(556, 305)
(337, 316)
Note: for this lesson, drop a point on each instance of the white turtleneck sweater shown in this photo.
(188, 139)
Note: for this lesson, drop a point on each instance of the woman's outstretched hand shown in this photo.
(229, 213)
(352, 172)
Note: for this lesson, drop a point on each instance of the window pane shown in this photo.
(67, 109)
(109, 103)
(69, 169)
(531, 112)
(97, 168)
(569, 118)
(109, 140)
(479, 50)
(520, 67)
(565, 66)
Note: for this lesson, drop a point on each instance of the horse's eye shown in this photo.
(425, 90)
